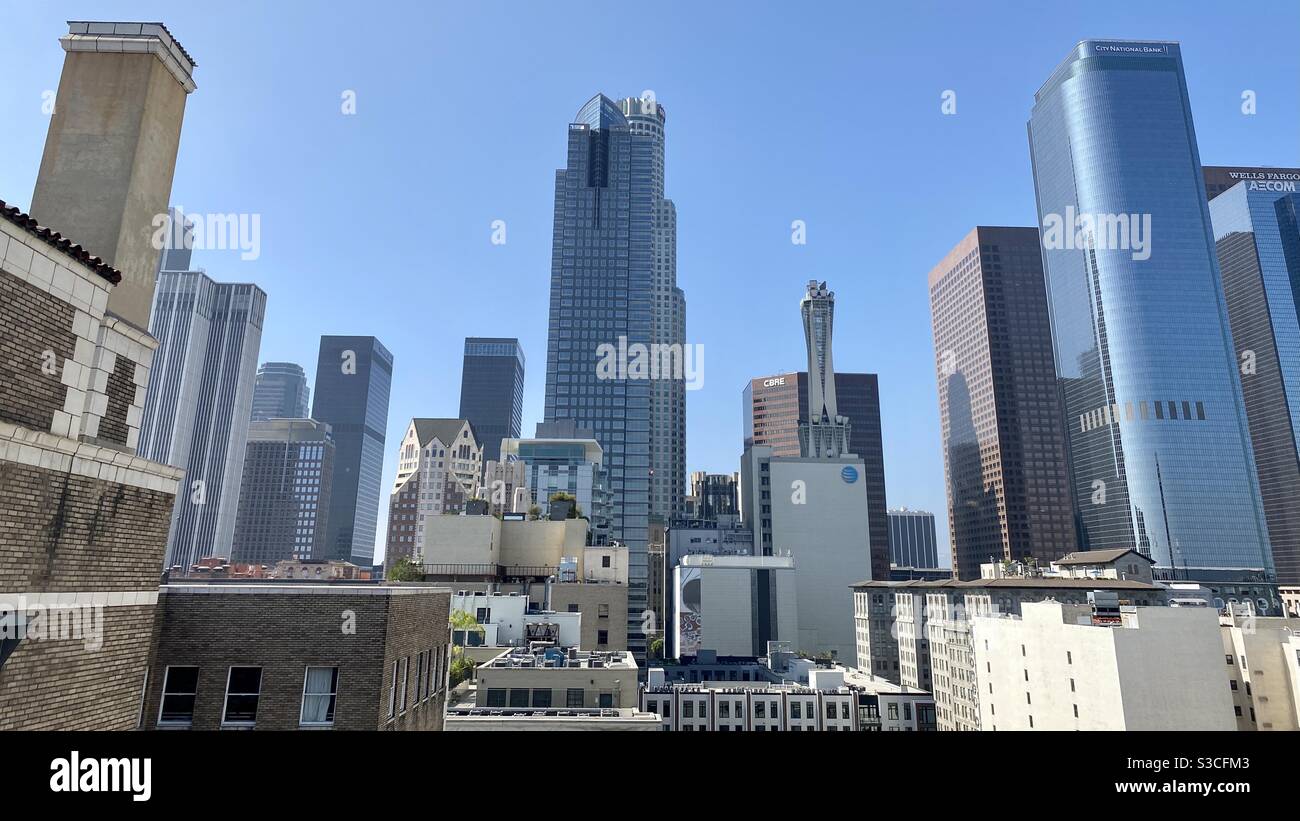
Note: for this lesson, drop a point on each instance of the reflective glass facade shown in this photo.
(1155, 423)
(1257, 234)
(281, 392)
(353, 377)
(601, 268)
(492, 391)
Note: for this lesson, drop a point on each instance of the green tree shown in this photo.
(657, 647)
(405, 570)
(462, 666)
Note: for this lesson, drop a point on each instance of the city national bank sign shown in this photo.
(1143, 49)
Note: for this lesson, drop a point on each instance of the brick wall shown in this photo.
(121, 395)
(63, 532)
(418, 624)
(33, 322)
(285, 633)
(61, 684)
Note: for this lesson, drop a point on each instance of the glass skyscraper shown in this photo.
(353, 377)
(1156, 429)
(603, 299)
(280, 392)
(1257, 233)
(492, 391)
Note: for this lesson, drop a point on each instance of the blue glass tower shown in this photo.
(1257, 233)
(354, 375)
(1159, 450)
(602, 258)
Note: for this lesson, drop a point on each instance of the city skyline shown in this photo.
(893, 338)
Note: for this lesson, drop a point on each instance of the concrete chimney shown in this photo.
(106, 174)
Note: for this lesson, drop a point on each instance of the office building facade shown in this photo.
(439, 469)
(1003, 443)
(1140, 329)
(609, 214)
(715, 494)
(280, 392)
(284, 496)
(566, 459)
(1257, 236)
(197, 409)
(354, 375)
(492, 391)
(773, 408)
(912, 541)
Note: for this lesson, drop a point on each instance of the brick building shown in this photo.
(85, 520)
(279, 655)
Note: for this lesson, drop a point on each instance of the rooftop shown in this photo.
(56, 240)
(557, 658)
(1099, 556)
(1035, 582)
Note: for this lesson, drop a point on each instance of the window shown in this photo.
(405, 678)
(724, 709)
(1229, 659)
(604, 561)
(602, 638)
(419, 677)
(392, 693)
(704, 709)
(575, 697)
(760, 709)
(844, 710)
(243, 687)
(602, 610)
(667, 708)
(893, 712)
(518, 697)
(180, 686)
(606, 700)
(1076, 711)
(688, 709)
(830, 709)
(319, 688)
(496, 697)
(573, 608)
(1233, 685)
(907, 711)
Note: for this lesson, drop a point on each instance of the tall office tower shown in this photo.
(645, 119)
(774, 407)
(83, 512)
(354, 375)
(280, 392)
(196, 411)
(602, 301)
(1219, 178)
(912, 541)
(823, 432)
(284, 497)
(1153, 401)
(492, 391)
(1003, 443)
(1257, 233)
(439, 469)
(716, 494)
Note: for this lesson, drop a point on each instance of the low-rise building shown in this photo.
(779, 693)
(510, 620)
(934, 628)
(733, 605)
(1262, 658)
(1102, 667)
(279, 656)
(551, 688)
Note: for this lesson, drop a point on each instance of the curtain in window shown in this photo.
(318, 700)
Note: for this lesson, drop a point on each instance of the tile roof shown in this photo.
(62, 243)
(1099, 556)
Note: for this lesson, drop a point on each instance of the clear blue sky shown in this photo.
(379, 223)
